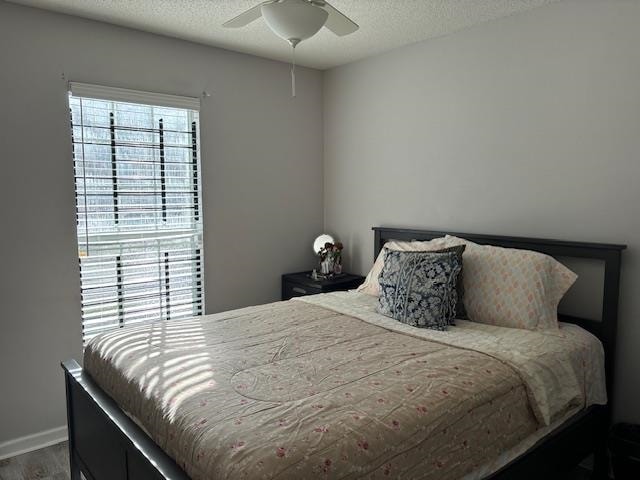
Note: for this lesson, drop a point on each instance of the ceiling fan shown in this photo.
(295, 21)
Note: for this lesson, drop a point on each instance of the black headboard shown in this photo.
(610, 254)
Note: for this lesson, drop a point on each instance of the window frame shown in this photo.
(136, 98)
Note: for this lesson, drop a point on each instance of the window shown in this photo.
(139, 210)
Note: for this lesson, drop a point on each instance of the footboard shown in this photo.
(104, 443)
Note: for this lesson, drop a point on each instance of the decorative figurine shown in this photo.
(330, 259)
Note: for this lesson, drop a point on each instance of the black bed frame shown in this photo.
(105, 444)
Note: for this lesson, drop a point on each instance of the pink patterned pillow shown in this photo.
(509, 287)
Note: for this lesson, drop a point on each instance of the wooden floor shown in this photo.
(52, 463)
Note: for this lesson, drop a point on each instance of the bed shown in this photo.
(323, 386)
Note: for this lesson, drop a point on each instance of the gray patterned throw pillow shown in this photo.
(419, 288)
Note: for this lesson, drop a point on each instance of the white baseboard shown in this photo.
(33, 442)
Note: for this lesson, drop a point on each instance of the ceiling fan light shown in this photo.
(294, 20)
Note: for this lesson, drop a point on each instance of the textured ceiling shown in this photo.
(384, 24)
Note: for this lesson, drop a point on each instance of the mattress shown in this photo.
(324, 386)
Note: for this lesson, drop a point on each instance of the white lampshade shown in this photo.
(320, 240)
(294, 20)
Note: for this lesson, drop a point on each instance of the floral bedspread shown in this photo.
(562, 369)
(296, 390)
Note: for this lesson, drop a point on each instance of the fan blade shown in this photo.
(245, 18)
(338, 22)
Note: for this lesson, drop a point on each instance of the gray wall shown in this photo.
(529, 125)
(262, 183)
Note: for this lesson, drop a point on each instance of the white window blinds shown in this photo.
(138, 204)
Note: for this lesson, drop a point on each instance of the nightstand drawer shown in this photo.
(290, 290)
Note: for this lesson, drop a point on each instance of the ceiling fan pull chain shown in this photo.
(293, 71)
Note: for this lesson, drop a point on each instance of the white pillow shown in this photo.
(371, 285)
(510, 287)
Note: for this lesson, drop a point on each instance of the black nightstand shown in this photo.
(300, 284)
